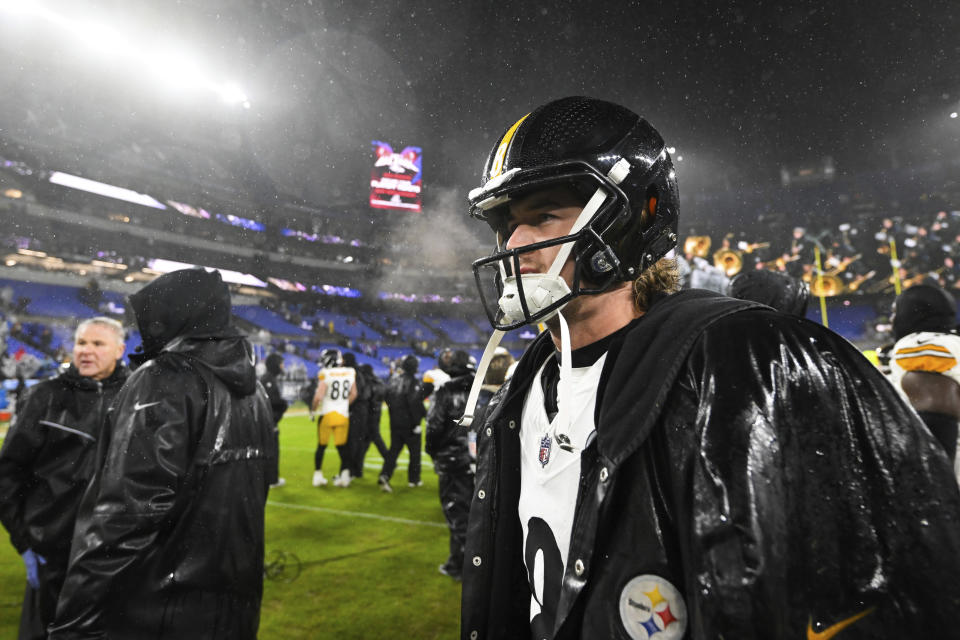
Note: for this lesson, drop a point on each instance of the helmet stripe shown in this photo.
(497, 166)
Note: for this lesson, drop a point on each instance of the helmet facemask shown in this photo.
(511, 302)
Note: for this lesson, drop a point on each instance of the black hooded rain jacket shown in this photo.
(169, 537)
(757, 463)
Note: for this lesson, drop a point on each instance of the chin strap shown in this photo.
(616, 174)
(467, 419)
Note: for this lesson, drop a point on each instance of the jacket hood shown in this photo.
(185, 303)
(778, 290)
(230, 358)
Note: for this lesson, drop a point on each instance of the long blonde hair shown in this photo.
(662, 277)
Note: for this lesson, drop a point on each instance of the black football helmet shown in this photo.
(330, 358)
(589, 145)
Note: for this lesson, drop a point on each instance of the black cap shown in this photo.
(924, 307)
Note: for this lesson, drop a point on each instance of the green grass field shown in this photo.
(367, 560)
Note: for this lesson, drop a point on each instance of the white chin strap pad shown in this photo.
(540, 290)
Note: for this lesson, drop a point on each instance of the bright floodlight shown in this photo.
(171, 68)
(231, 93)
(175, 69)
(103, 189)
(953, 115)
(101, 38)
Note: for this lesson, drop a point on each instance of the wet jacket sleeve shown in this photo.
(278, 405)
(416, 394)
(807, 493)
(134, 498)
(20, 448)
(437, 423)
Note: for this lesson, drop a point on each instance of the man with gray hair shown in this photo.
(47, 459)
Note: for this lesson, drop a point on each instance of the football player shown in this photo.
(335, 393)
(924, 361)
(678, 464)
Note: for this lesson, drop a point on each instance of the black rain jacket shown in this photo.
(405, 395)
(758, 463)
(48, 458)
(271, 384)
(169, 538)
(446, 441)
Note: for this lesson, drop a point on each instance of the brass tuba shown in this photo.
(729, 261)
(697, 246)
(826, 286)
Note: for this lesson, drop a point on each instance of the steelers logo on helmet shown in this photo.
(619, 167)
(651, 607)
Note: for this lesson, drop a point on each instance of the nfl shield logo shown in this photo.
(545, 450)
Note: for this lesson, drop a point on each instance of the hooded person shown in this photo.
(169, 535)
(781, 291)
(271, 384)
(448, 445)
(405, 394)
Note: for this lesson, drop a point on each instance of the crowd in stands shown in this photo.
(856, 257)
(859, 253)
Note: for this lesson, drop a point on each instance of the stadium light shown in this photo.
(103, 189)
(953, 115)
(171, 68)
(231, 93)
(101, 38)
(28, 8)
(176, 69)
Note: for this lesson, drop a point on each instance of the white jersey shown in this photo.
(550, 475)
(928, 351)
(336, 399)
(437, 377)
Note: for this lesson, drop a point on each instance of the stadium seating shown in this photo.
(348, 326)
(268, 320)
(459, 331)
(49, 299)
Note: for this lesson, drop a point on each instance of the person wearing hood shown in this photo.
(781, 291)
(169, 536)
(923, 362)
(271, 384)
(447, 443)
(47, 459)
(405, 394)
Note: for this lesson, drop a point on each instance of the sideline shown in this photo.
(356, 514)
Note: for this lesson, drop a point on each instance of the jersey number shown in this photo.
(540, 538)
(339, 389)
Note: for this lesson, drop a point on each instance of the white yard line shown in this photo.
(355, 514)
